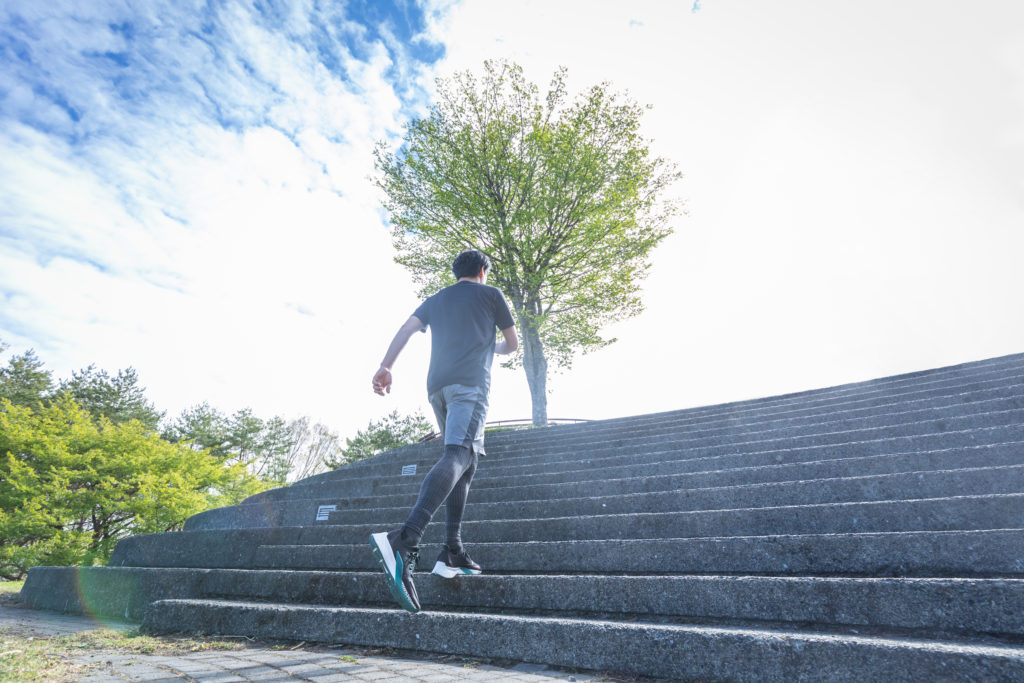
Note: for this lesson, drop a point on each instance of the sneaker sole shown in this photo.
(446, 572)
(383, 552)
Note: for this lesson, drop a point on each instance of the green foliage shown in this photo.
(119, 399)
(393, 431)
(564, 197)
(205, 427)
(267, 448)
(83, 467)
(71, 486)
(24, 382)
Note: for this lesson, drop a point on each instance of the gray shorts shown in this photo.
(461, 412)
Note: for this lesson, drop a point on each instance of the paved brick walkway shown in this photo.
(319, 665)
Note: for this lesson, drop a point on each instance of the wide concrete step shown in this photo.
(664, 462)
(960, 513)
(676, 462)
(963, 606)
(664, 650)
(917, 387)
(946, 451)
(912, 423)
(615, 454)
(555, 453)
(296, 512)
(974, 481)
(991, 511)
(986, 553)
(913, 397)
(959, 379)
(982, 413)
(942, 381)
(898, 412)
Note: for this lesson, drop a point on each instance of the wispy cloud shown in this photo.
(195, 167)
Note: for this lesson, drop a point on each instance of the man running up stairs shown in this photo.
(871, 531)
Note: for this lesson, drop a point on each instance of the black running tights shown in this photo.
(448, 480)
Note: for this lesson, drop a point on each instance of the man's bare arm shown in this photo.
(509, 344)
(382, 378)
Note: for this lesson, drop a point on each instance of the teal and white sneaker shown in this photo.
(451, 564)
(398, 560)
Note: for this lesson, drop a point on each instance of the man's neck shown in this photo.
(470, 279)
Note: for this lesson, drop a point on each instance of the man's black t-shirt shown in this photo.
(462, 320)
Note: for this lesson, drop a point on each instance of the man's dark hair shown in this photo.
(469, 263)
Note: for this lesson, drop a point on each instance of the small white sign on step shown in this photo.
(408, 470)
(324, 511)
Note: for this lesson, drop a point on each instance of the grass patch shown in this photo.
(27, 659)
(24, 659)
(134, 641)
(9, 591)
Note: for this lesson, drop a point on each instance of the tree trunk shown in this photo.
(536, 366)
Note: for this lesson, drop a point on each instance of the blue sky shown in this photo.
(185, 187)
(153, 158)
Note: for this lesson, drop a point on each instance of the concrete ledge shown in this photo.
(965, 377)
(560, 448)
(668, 462)
(912, 397)
(945, 605)
(1001, 511)
(561, 454)
(914, 484)
(298, 512)
(754, 442)
(952, 553)
(647, 649)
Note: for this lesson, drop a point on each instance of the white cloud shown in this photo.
(209, 220)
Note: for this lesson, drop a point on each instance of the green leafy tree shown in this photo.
(564, 196)
(264, 447)
(71, 486)
(25, 381)
(393, 431)
(205, 427)
(118, 398)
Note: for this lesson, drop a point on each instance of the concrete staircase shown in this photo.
(872, 531)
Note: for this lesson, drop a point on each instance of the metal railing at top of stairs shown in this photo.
(503, 425)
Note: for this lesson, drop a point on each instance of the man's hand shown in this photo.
(382, 381)
(382, 378)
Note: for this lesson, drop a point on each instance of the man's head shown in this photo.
(469, 263)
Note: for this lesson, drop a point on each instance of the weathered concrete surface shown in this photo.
(588, 467)
(969, 606)
(652, 649)
(995, 511)
(998, 511)
(955, 553)
(302, 511)
(1004, 372)
(981, 408)
(579, 501)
